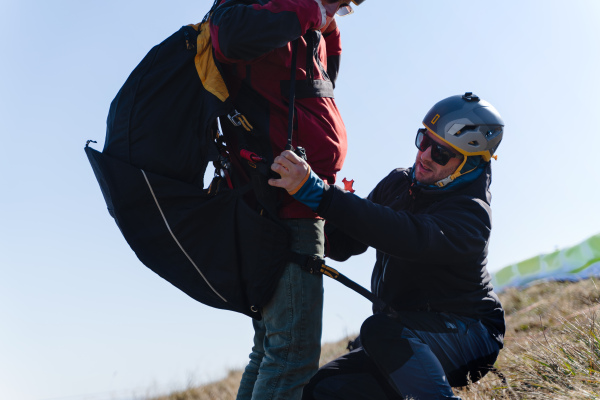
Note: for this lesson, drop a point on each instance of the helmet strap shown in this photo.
(447, 180)
(470, 163)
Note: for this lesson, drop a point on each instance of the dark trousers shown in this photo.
(420, 355)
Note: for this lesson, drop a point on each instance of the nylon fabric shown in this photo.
(351, 376)
(162, 122)
(256, 62)
(420, 355)
(404, 359)
(161, 118)
(205, 65)
(243, 265)
(431, 244)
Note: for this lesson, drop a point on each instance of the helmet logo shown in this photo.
(435, 119)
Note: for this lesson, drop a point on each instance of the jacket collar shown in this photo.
(478, 188)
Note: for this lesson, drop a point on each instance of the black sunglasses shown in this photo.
(439, 154)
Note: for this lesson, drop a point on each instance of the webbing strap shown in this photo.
(292, 99)
(316, 265)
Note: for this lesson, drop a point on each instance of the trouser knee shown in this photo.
(380, 330)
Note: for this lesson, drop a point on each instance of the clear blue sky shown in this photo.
(80, 315)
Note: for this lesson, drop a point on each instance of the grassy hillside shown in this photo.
(552, 349)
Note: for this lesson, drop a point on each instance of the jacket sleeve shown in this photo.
(341, 245)
(242, 32)
(456, 231)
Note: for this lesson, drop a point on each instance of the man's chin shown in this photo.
(423, 179)
(422, 176)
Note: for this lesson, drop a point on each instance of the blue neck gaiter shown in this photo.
(475, 164)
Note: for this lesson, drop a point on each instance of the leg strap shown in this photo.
(316, 265)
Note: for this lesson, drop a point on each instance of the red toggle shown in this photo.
(348, 185)
(250, 156)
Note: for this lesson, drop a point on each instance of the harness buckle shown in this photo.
(238, 119)
(234, 117)
(313, 265)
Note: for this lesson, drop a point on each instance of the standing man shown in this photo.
(441, 324)
(256, 42)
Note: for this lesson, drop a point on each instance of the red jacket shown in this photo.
(253, 42)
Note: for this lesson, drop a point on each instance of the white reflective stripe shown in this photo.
(177, 241)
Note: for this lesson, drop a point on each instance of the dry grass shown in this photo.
(552, 349)
(552, 346)
(225, 389)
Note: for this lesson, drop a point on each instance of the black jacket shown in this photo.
(431, 244)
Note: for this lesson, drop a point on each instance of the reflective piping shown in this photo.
(177, 241)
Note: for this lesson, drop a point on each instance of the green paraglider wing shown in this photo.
(573, 263)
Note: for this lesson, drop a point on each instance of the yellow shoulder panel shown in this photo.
(205, 65)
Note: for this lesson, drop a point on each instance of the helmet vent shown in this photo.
(493, 131)
(465, 129)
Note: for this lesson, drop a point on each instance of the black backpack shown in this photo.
(161, 136)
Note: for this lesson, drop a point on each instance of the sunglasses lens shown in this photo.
(422, 141)
(344, 10)
(439, 154)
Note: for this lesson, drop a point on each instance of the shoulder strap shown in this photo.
(292, 99)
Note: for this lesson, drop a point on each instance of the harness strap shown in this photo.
(292, 95)
(316, 265)
(311, 264)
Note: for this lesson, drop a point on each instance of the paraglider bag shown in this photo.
(214, 247)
